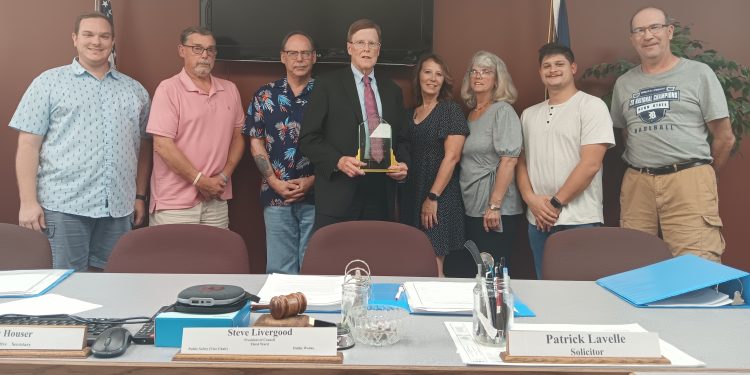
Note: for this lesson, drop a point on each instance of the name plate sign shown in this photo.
(296, 341)
(42, 338)
(583, 344)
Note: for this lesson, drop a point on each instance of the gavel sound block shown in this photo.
(285, 312)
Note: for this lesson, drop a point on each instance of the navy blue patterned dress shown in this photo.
(426, 146)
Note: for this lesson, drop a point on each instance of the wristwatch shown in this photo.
(432, 196)
(494, 207)
(141, 197)
(556, 203)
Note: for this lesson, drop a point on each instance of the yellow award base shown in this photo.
(393, 163)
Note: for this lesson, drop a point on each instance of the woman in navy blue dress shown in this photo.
(431, 198)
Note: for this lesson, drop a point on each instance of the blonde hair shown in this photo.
(504, 89)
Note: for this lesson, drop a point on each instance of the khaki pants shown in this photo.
(214, 212)
(684, 205)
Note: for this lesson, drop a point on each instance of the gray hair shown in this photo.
(195, 30)
(297, 32)
(503, 86)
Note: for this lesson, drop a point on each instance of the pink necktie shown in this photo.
(373, 120)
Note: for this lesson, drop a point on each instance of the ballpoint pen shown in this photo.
(492, 296)
(499, 310)
(400, 290)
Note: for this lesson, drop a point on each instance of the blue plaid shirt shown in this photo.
(276, 115)
(92, 133)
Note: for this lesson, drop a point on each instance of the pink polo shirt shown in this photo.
(201, 125)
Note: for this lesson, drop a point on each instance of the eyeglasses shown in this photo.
(361, 44)
(306, 55)
(654, 29)
(481, 73)
(198, 50)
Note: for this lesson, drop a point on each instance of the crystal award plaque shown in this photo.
(376, 148)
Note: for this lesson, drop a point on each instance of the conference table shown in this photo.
(718, 337)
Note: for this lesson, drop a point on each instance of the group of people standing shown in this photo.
(84, 151)
(550, 158)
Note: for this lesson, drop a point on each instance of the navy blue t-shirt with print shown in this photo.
(275, 115)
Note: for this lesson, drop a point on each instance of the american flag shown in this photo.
(105, 8)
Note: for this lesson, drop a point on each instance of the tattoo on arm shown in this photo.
(263, 165)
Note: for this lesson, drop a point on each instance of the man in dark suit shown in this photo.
(338, 104)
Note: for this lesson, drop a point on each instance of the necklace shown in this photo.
(481, 107)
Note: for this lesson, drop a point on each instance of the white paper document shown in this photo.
(440, 296)
(320, 291)
(24, 283)
(706, 297)
(473, 353)
(48, 304)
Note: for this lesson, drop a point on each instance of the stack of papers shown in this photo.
(29, 283)
(706, 297)
(323, 292)
(450, 298)
(440, 297)
(48, 304)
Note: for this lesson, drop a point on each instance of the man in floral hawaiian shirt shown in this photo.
(273, 124)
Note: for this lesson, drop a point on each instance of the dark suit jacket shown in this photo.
(329, 131)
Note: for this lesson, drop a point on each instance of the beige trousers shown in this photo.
(684, 205)
(214, 212)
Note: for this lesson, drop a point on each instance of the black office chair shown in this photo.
(593, 253)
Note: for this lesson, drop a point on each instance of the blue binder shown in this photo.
(674, 277)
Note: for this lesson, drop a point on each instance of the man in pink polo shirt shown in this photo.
(196, 121)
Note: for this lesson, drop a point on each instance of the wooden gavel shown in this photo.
(285, 306)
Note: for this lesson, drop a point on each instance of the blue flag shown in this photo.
(563, 31)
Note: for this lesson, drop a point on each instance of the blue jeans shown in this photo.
(80, 242)
(288, 228)
(537, 239)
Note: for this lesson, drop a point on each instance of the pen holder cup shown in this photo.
(378, 325)
(492, 314)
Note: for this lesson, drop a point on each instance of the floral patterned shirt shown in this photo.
(275, 115)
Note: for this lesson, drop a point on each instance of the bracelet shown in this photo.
(226, 179)
(197, 177)
(142, 197)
